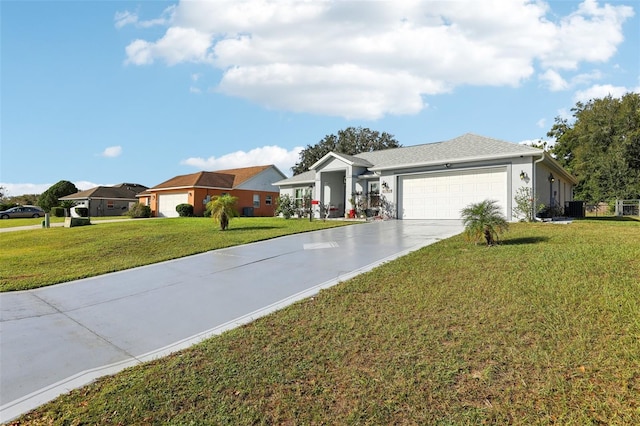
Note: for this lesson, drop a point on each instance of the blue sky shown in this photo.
(106, 92)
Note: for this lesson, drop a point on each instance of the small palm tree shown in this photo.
(484, 219)
(223, 209)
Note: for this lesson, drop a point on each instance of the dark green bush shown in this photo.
(7, 206)
(184, 210)
(139, 210)
(57, 211)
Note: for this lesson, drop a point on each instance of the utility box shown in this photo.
(575, 208)
(247, 211)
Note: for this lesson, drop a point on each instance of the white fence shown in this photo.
(627, 207)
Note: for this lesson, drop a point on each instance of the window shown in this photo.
(256, 200)
(109, 204)
(299, 197)
(374, 194)
(267, 200)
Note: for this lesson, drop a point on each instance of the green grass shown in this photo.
(40, 257)
(543, 329)
(12, 223)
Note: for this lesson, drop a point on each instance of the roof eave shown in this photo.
(559, 169)
(326, 157)
(453, 161)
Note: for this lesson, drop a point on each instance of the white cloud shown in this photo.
(178, 45)
(541, 123)
(600, 91)
(112, 152)
(125, 18)
(376, 58)
(590, 34)
(275, 155)
(554, 81)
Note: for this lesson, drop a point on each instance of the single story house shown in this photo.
(431, 181)
(107, 200)
(253, 186)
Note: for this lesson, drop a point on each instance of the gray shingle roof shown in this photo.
(304, 177)
(465, 147)
(355, 160)
(468, 147)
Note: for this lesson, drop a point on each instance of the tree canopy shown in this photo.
(350, 141)
(49, 198)
(601, 147)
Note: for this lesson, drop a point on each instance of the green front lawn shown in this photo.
(12, 223)
(543, 329)
(40, 257)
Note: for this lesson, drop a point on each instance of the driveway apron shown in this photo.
(61, 337)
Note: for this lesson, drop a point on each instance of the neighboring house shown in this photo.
(253, 186)
(432, 181)
(107, 200)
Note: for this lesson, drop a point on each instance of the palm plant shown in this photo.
(222, 209)
(484, 219)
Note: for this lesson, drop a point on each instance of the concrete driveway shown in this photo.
(61, 337)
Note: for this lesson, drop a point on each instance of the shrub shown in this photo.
(483, 219)
(57, 211)
(524, 204)
(7, 206)
(184, 210)
(139, 210)
(286, 206)
(223, 209)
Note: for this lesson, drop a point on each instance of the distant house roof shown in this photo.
(123, 191)
(223, 179)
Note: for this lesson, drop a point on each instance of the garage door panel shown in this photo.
(167, 204)
(443, 195)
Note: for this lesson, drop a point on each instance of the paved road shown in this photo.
(61, 337)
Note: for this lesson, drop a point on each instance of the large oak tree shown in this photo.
(601, 147)
(351, 141)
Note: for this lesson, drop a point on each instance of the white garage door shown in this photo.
(443, 195)
(167, 204)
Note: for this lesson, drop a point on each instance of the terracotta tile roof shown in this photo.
(227, 179)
